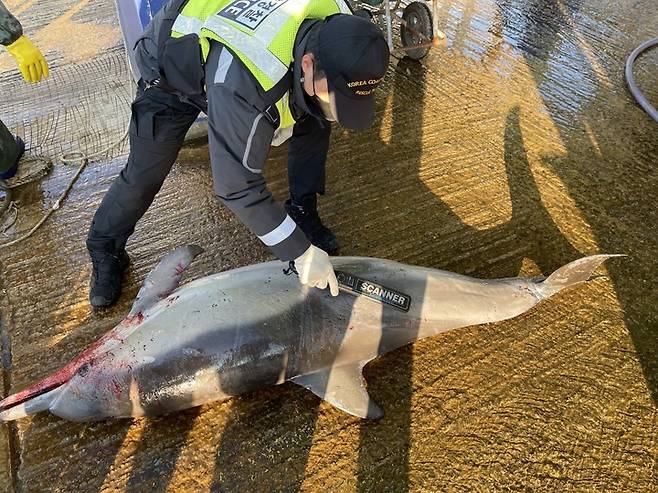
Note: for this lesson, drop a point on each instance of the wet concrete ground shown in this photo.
(513, 149)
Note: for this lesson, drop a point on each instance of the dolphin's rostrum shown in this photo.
(253, 327)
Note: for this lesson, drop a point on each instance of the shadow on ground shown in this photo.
(619, 136)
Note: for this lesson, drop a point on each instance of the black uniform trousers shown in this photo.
(158, 126)
(8, 148)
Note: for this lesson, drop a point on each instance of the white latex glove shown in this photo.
(315, 270)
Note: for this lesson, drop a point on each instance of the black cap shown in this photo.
(354, 55)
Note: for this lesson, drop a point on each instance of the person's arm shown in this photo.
(10, 28)
(239, 139)
(29, 59)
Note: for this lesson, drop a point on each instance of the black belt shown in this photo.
(199, 101)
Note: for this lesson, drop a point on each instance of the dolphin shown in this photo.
(253, 327)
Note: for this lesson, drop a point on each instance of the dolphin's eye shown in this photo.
(83, 370)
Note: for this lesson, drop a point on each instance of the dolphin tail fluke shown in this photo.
(164, 279)
(573, 273)
(36, 404)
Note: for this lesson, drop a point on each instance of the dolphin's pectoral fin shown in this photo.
(162, 280)
(343, 387)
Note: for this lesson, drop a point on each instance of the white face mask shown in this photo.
(326, 109)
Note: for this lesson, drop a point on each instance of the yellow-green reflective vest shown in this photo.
(260, 32)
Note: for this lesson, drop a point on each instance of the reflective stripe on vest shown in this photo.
(251, 47)
(187, 25)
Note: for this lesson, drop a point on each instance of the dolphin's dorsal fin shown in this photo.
(162, 280)
(343, 387)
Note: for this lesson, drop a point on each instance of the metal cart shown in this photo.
(417, 20)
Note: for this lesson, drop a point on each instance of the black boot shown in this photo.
(305, 214)
(105, 287)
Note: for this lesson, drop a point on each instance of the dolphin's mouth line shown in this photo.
(48, 384)
(30, 396)
(35, 398)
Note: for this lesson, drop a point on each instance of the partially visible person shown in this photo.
(33, 67)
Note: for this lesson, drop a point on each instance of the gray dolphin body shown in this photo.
(253, 327)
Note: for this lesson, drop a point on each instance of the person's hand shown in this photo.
(315, 270)
(30, 60)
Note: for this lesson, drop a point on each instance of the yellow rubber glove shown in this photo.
(30, 61)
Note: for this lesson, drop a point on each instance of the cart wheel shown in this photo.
(416, 29)
(366, 14)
